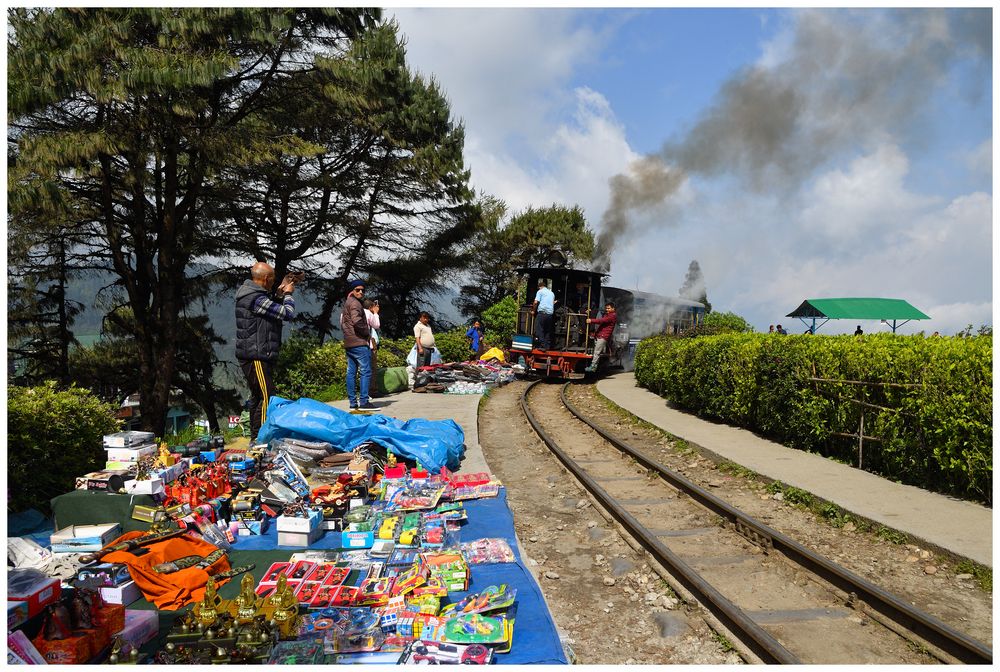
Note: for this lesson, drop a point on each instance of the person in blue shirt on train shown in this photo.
(543, 308)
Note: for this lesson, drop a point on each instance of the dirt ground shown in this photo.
(609, 605)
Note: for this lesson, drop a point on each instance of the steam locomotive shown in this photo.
(581, 294)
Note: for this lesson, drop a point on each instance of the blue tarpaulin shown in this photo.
(434, 443)
(536, 640)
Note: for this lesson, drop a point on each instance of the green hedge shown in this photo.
(938, 433)
(53, 436)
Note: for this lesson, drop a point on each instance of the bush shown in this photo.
(53, 437)
(499, 323)
(928, 400)
(727, 322)
(453, 345)
(308, 369)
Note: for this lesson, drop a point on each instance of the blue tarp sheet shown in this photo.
(535, 638)
(434, 443)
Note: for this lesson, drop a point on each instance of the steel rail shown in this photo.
(758, 640)
(926, 626)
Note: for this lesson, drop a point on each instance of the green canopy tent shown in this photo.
(891, 311)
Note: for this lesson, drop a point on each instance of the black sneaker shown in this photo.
(354, 405)
(367, 406)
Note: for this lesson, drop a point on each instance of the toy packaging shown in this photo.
(427, 652)
(487, 551)
(301, 652)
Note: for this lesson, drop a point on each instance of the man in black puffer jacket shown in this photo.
(258, 334)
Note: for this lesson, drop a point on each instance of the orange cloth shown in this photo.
(170, 591)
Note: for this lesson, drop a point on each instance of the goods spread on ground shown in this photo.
(362, 558)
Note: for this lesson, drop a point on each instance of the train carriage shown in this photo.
(580, 294)
(577, 297)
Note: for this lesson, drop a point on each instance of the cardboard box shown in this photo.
(252, 528)
(141, 625)
(73, 650)
(38, 594)
(19, 645)
(127, 439)
(169, 474)
(112, 616)
(299, 538)
(356, 539)
(84, 538)
(153, 486)
(296, 524)
(334, 524)
(127, 593)
(17, 613)
(130, 455)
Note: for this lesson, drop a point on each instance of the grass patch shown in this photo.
(982, 574)
(794, 496)
(891, 535)
(723, 642)
(483, 398)
(739, 470)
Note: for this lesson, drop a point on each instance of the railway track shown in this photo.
(780, 600)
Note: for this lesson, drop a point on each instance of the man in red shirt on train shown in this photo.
(605, 327)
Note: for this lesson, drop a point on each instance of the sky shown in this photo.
(793, 153)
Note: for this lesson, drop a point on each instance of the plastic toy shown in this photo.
(427, 652)
(489, 599)
(474, 629)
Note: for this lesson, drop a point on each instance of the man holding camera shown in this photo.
(258, 334)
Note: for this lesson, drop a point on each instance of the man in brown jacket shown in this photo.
(354, 325)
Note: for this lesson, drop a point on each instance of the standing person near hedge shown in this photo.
(605, 327)
(424, 338)
(475, 336)
(357, 335)
(374, 324)
(259, 320)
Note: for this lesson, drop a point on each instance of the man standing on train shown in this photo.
(543, 308)
(605, 327)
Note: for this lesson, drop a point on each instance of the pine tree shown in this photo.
(126, 117)
(693, 288)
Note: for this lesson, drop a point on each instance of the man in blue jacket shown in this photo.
(259, 320)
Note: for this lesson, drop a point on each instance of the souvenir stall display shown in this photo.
(377, 568)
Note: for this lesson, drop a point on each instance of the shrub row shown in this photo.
(928, 400)
(53, 436)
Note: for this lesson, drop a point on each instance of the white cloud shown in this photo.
(504, 70)
(980, 159)
(851, 207)
(531, 139)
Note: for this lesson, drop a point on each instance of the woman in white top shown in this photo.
(374, 324)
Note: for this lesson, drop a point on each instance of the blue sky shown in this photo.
(811, 153)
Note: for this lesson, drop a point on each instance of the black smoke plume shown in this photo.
(851, 78)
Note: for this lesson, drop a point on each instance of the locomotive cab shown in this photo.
(577, 297)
